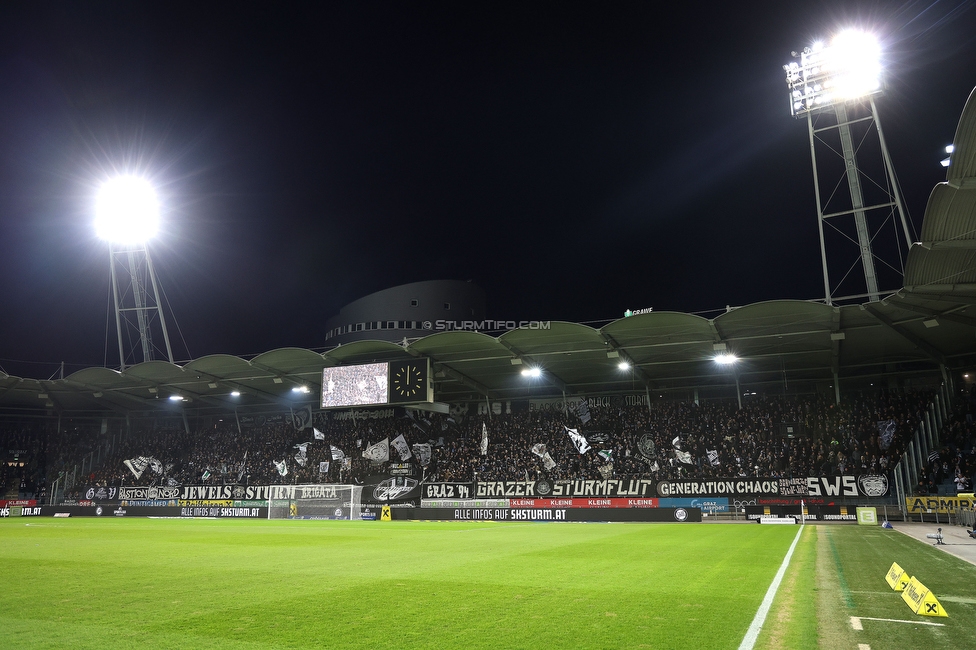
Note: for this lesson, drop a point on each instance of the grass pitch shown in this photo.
(114, 583)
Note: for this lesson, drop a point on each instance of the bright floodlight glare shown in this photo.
(725, 359)
(623, 365)
(854, 64)
(235, 393)
(176, 398)
(126, 210)
(531, 372)
(300, 389)
(848, 68)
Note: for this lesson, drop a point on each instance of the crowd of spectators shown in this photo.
(864, 434)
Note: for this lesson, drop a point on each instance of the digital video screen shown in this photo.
(355, 385)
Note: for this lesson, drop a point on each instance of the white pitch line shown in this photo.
(753, 632)
(863, 646)
(894, 620)
(856, 623)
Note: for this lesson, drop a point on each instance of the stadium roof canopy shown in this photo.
(930, 322)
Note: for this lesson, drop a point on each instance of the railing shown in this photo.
(926, 438)
(966, 518)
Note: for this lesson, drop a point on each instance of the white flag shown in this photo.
(318, 434)
(337, 454)
(378, 453)
(155, 465)
(324, 467)
(281, 467)
(676, 442)
(423, 453)
(606, 471)
(579, 441)
(655, 467)
(547, 461)
(713, 457)
(539, 449)
(683, 456)
(484, 439)
(400, 444)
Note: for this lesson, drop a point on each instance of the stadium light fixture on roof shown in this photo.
(949, 149)
(846, 69)
(531, 372)
(623, 365)
(235, 393)
(126, 210)
(725, 359)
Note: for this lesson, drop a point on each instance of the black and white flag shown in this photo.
(683, 456)
(539, 449)
(547, 461)
(713, 457)
(378, 453)
(583, 411)
(301, 457)
(579, 441)
(318, 434)
(484, 439)
(400, 444)
(323, 467)
(337, 454)
(137, 465)
(423, 453)
(302, 418)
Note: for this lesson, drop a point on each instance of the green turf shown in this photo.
(114, 583)
(305, 584)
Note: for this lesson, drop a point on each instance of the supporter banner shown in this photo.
(224, 492)
(550, 514)
(362, 414)
(446, 491)
(397, 491)
(918, 505)
(152, 492)
(155, 503)
(866, 485)
(101, 493)
(581, 488)
(318, 491)
(718, 487)
(206, 502)
(248, 421)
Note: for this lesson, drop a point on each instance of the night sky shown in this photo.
(572, 159)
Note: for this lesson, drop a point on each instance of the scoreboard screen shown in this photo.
(394, 382)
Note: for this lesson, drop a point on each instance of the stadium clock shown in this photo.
(408, 381)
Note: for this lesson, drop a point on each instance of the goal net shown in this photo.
(315, 502)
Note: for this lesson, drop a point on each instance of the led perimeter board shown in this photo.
(394, 382)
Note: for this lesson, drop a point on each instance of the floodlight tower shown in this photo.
(833, 86)
(127, 216)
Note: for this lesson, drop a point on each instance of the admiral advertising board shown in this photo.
(920, 504)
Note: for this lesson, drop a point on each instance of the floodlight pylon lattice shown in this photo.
(138, 309)
(834, 88)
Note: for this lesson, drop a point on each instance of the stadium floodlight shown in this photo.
(532, 372)
(848, 68)
(725, 359)
(127, 210)
(623, 366)
(235, 393)
(300, 389)
(176, 398)
(833, 83)
(127, 217)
